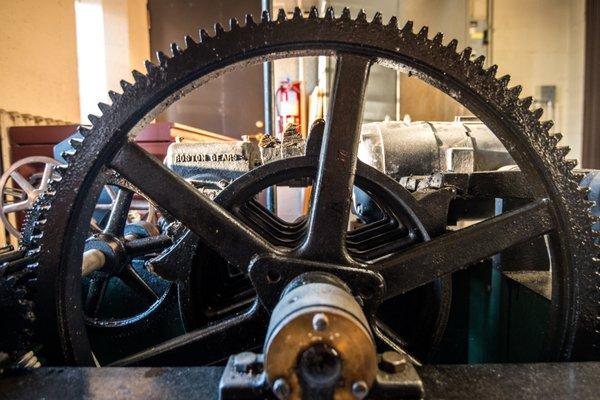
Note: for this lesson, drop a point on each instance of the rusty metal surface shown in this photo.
(460, 382)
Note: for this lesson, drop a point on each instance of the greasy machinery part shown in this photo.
(26, 193)
(559, 210)
(319, 343)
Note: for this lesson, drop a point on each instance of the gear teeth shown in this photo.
(491, 71)
(150, 67)
(553, 140)
(114, 96)
(562, 151)
(346, 16)
(249, 20)
(547, 125)
(83, 131)
(233, 24)
(265, 17)
(218, 28)
(377, 19)
(189, 41)
(423, 33)
(75, 142)
(393, 23)
(204, 36)
(104, 108)
(516, 90)
(526, 102)
(571, 163)
(139, 78)
(68, 155)
(297, 14)
(361, 16)
(162, 58)
(175, 50)
(408, 27)
(125, 85)
(578, 176)
(479, 61)
(438, 38)
(61, 168)
(281, 15)
(94, 119)
(558, 136)
(584, 190)
(466, 53)
(329, 14)
(537, 113)
(452, 45)
(504, 80)
(313, 13)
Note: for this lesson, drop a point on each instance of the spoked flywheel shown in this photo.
(557, 211)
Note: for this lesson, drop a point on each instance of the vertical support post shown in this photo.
(269, 107)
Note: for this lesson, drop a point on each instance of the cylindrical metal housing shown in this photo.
(420, 148)
(317, 321)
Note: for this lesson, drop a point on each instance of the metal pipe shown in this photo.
(268, 85)
(269, 111)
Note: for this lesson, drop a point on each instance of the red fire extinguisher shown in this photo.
(287, 105)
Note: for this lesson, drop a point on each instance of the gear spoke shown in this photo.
(147, 245)
(136, 283)
(118, 215)
(13, 192)
(46, 175)
(208, 345)
(458, 250)
(95, 295)
(218, 228)
(332, 192)
(111, 192)
(15, 207)
(22, 182)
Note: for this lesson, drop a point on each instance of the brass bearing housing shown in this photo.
(319, 338)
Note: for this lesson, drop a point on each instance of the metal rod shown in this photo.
(93, 260)
(269, 111)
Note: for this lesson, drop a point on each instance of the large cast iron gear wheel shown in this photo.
(558, 211)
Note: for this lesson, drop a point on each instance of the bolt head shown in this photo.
(393, 362)
(281, 389)
(320, 322)
(360, 389)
